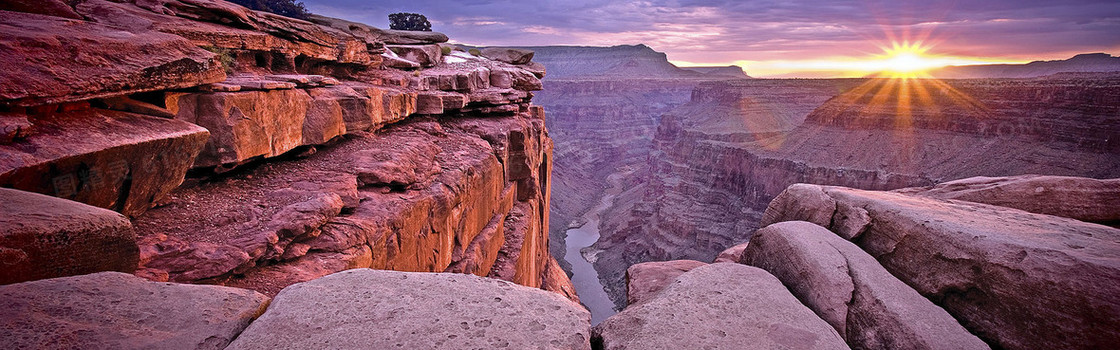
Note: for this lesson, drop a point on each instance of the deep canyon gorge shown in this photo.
(205, 176)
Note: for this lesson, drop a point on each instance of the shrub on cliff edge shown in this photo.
(287, 8)
(409, 21)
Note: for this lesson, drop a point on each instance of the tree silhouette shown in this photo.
(287, 8)
(409, 21)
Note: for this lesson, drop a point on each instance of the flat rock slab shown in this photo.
(1018, 280)
(850, 290)
(109, 159)
(719, 306)
(112, 310)
(45, 237)
(645, 280)
(109, 61)
(1078, 198)
(381, 309)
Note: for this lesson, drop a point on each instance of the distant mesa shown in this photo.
(731, 71)
(622, 61)
(1083, 63)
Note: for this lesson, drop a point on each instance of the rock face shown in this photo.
(719, 306)
(719, 160)
(1084, 199)
(109, 159)
(119, 63)
(111, 310)
(362, 309)
(983, 264)
(731, 254)
(44, 237)
(850, 290)
(645, 280)
(358, 164)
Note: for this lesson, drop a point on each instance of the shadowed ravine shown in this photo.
(584, 277)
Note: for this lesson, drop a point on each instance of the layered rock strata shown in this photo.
(718, 160)
(983, 264)
(362, 308)
(309, 152)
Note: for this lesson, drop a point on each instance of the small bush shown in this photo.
(225, 57)
(409, 21)
(287, 8)
(445, 49)
(475, 52)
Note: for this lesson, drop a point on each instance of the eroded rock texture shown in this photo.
(363, 308)
(984, 264)
(112, 310)
(850, 290)
(307, 154)
(44, 237)
(719, 159)
(720, 306)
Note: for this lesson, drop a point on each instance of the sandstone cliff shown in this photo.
(719, 159)
(311, 147)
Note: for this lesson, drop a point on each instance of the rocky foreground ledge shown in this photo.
(311, 148)
(917, 268)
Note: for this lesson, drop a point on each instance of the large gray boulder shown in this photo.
(381, 309)
(45, 237)
(850, 290)
(719, 306)
(1018, 280)
(645, 280)
(112, 310)
(1078, 198)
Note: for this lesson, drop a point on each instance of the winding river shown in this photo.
(584, 277)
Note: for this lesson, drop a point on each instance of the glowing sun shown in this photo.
(908, 60)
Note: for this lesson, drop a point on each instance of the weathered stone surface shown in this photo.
(118, 63)
(645, 280)
(557, 281)
(508, 55)
(363, 308)
(850, 290)
(985, 265)
(425, 55)
(13, 127)
(719, 306)
(111, 310)
(410, 163)
(324, 120)
(1078, 198)
(394, 61)
(245, 124)
(55, 8)
(45, 237)
(731, 254)
(109, 159)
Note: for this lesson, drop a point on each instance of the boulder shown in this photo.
(13, 127)
(719, 306)
(425, 55)
(645, 280)
(1018, 280)
(379, 309)
(731, 254)
(108, 61)
(45, 237)
(112, 310)
(394, 61)
(1078, 198)
(508, 55)
(115, 160)
(850, 290)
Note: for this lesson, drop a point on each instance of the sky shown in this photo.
(773, 37)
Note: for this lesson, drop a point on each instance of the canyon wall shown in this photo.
(308, 148)
(719, 159)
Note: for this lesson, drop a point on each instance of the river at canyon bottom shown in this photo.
(584, 277)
